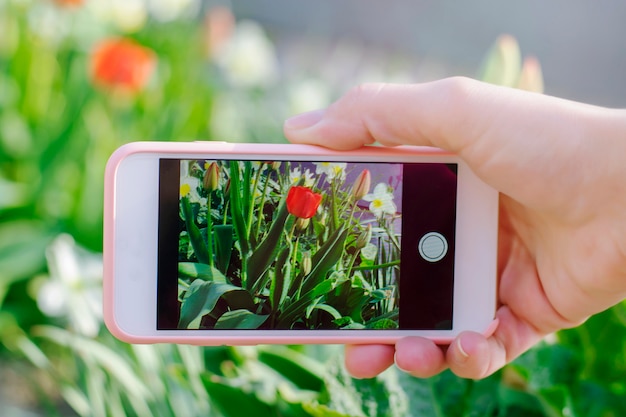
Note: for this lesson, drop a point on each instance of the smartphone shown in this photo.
(214, 243)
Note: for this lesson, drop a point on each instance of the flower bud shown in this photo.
(531, 78)
(361, 185)
(211, 180)
(364, 238)
(302, 224)
(307, 264)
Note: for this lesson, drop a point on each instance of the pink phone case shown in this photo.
(251, 337)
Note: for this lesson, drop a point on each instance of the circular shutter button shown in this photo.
(433, 246)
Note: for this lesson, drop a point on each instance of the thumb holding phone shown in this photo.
(558, 166)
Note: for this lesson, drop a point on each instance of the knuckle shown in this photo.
(457, 90)
(361, 93)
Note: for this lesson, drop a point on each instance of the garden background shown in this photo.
(79, 78)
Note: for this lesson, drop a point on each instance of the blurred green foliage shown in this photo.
(56, 133)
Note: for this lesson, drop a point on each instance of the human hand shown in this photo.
(560, 167)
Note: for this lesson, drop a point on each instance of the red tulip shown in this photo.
(302, 202)
(121, 64)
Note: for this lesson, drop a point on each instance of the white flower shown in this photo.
(74, 288)
(381, 200)
(189, 184)
(296, 175)
(333, 170)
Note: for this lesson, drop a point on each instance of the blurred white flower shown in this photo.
(74, 287)
(49, 22)
(127, 15)
(309, 94)
(168, 10)
(248, 58)
(381, 200)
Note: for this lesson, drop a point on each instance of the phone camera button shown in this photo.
(433, 246)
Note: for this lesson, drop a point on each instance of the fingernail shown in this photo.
(304, 120)
(463, 355)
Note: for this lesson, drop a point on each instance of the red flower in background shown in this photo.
(121, 64)
(302, 202)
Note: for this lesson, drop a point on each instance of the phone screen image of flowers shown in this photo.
(284, 245)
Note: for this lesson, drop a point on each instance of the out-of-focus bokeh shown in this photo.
(78, 78)
(581, 46)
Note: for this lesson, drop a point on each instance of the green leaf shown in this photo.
(324, 307)
(237, 213)
(282, 278)
(22, 250)
(348, 324)
(297, 309)
(202, 296)
(204, 272)
(349, 300)
(265, 254)
(234, 401)
(392, 315)
(382, 396)
(384, 293)
(247, 199)
(303, 371)
(321, 410)
(240, 319)
(105, 357)
(383, 324)
(595, 399)
(325, 258)
(516, 402)
(12, 194)
(223, 245)
(195, 236)
(600, 343)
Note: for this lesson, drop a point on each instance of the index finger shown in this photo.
(448, 113)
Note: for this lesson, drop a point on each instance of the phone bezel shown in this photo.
(131, 243)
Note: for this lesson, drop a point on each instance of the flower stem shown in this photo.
(252, 197)
(294, 259)
(209, 231)
(379, 266)
(261, 208)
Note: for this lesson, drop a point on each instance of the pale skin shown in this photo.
(560, 168)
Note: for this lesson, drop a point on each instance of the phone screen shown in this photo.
(281, 245)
